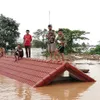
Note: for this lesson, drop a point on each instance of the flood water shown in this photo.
(13, 90)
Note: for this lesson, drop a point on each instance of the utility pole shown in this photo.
(49, 17)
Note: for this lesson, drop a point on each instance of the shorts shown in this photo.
(17, 53)
(20, 54)
(51, 47)
(61, 49)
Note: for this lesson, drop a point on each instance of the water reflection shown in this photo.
(67, 91)
(28, 94)
(23, 91)
(19, 90)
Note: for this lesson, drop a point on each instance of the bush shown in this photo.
(95, 50)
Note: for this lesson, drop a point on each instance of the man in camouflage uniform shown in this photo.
(51, 42)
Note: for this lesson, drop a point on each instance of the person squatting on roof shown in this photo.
(18, 52)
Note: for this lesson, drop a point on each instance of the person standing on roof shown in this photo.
(27, 43)
(61, 42)
(51, 42)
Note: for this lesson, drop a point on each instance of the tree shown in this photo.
(37, 34)
(95, 50)
(72, 36)
(40, 38)
(8, 32)
(38, 44)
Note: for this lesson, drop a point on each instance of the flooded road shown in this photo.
(13, 90)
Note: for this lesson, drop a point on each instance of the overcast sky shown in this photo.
(72, 14)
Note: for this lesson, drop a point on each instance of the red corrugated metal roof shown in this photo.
(78, 74)
(35, 72)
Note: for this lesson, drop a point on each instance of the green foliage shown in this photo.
(45, 53)
(95, 50)
(80, 48)
(39, 38)
(38, 44)
(37, 34)
(8, 32)
(72, 36)
(40, 34)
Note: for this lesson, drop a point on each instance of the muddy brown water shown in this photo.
(13, 90)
